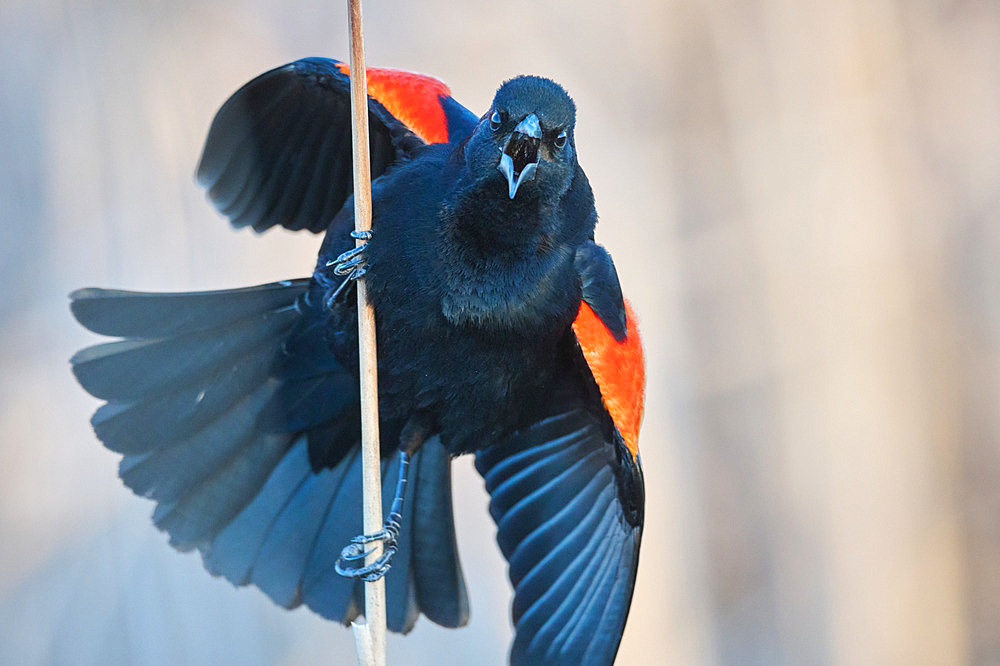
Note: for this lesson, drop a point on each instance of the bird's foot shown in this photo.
(356, 550)
(388, 535)
(350, 265)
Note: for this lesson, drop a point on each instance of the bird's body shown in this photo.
(473, 296)
(482, 270)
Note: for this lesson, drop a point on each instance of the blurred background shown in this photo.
(803, 201)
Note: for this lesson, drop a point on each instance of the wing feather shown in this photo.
(607, 333)
(279, 150)
(567, 532)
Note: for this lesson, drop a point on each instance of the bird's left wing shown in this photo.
(279, 150)
(567, 495)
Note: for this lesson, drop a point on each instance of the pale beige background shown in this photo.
(803, 200)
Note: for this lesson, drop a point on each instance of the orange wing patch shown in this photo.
(618, 368)
(412, 98)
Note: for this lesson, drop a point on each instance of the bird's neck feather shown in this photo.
(501, 266)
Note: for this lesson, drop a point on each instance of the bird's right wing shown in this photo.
(567, 498)
(567, 491)
(279, 150)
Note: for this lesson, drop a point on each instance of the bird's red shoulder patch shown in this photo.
(618, 368)
(414, 99)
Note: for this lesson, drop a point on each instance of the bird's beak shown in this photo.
(519, 159)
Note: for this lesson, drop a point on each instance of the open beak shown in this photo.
(520, 156)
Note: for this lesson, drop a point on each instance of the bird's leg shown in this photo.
(350, 265)
(412, 436)
(388, 535)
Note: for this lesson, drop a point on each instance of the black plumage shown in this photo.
(237, 411)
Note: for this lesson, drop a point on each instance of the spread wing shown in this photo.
(279, 150)
(233, 415)
(567, 495)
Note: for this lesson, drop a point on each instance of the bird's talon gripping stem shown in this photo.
(388, 535)
(348, 261)
(350, 265)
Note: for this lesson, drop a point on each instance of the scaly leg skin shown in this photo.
(388, 535)
(351, 265)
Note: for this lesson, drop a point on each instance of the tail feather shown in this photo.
(323, 590)
(401, 602)
(236, 548)
(235, 417)
(438, 580)
(334, 440)
(284, 553)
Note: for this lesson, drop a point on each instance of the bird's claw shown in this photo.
(348, 261)
(388, 535)
(350, 265)
(355, 551)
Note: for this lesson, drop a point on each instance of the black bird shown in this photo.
(502, 331)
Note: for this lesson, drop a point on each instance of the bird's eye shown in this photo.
(561, 139)
(495, 121)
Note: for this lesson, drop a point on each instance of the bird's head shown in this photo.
(523, 145)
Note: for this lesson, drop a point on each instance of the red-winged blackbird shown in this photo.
(501, 331)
